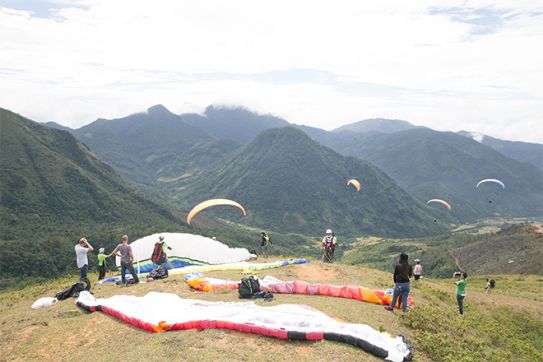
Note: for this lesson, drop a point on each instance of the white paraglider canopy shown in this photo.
(190, 246)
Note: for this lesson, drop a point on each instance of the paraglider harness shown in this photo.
(158, 256)
(158, 273)
(75, 289)
(329, 250)
(249, 288)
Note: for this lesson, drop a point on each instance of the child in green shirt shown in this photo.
(460, 290)
(101, 263)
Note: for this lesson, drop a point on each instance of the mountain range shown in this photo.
(290, 183)
(161, 152)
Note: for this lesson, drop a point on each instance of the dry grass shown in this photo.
(64, 332)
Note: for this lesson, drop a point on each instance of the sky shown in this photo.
(448, 65)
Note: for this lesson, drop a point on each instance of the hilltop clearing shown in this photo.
(65, 332)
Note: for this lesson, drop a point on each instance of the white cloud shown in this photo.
(426, 62)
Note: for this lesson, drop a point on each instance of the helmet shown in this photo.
(329, 231)
(101, 250)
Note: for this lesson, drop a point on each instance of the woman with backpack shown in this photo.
(159, 255)
(402, 272)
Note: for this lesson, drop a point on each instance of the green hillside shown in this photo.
(53, 191)
(288, 182)
(153, 147)
(516, 249)
(430, 164)
(531, 153)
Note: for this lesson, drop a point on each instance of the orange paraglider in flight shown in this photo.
(353, 182)
(442, 202)
(213, 202)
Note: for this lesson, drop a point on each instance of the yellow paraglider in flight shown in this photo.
(354, 183)
(213, 202)
(442, 202)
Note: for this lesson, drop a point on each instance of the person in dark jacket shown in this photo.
(402, 273)
(265, 244)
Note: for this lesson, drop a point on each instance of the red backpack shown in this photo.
(156, 257)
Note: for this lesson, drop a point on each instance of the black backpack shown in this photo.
(492, 283)
(75, 289)
(248, 287)
(158, 273)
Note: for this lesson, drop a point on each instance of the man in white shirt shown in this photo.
(81, 251)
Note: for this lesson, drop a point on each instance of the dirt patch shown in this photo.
(316, 271)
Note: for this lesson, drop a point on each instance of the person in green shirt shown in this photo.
(460, 290)
(101, 263)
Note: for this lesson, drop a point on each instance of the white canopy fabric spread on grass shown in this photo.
(284, 321)
(190, 246)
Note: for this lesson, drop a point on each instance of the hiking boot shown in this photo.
(389, 309)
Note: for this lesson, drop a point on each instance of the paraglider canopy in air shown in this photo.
(213, 202)
(442, 202)
(491, 180)
(353, 182)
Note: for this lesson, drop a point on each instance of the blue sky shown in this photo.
(449, 65)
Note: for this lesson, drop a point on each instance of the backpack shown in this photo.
(492, 283)
(156, 257)
(248, 286)
(74, 290)
(158, 273)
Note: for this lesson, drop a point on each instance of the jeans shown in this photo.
(84, 270)
(460, 300)
(130, 267)
(403, 290)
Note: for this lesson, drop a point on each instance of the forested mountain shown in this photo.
(154, 147)
(235, 124)
(430, 164)
(531, 153)
(288, 182)
(381, 125)
(53, 190)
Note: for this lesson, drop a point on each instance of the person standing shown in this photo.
(417, 270)
(124, 251)
(460, 290)
(266, 242)
(329, 246)
(402, 272)
(164, 256)
(101, 263)
(81, 251)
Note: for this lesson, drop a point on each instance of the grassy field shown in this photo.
(506, 325)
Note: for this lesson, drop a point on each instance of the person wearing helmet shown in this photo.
(164, 254)
(266, 242)
(417, 270)
(101, 263)
(329, 246)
